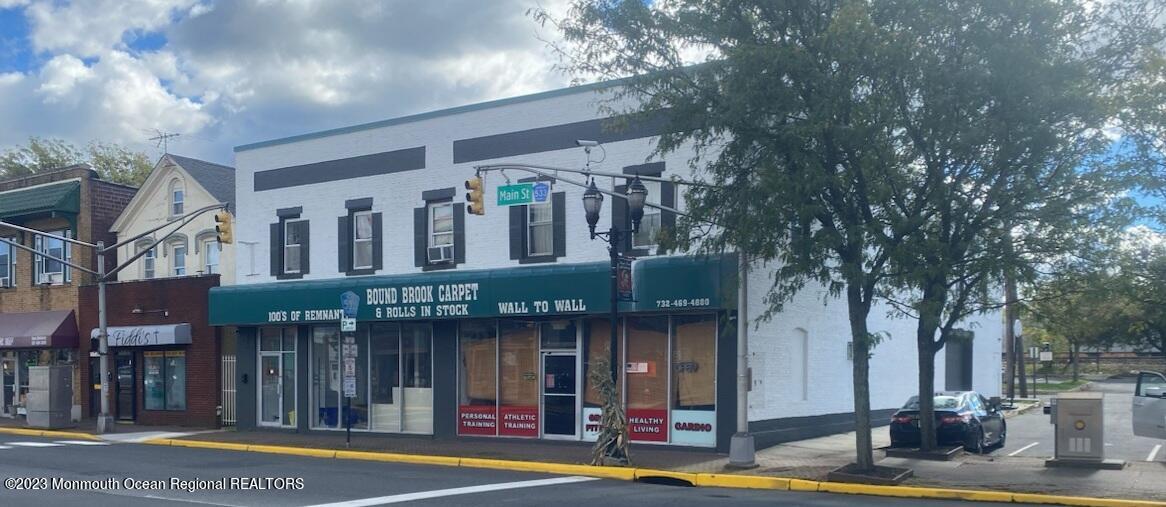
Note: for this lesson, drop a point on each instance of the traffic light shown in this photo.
(474, 204)
(223, 227)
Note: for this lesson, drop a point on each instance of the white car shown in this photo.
(1150, 405)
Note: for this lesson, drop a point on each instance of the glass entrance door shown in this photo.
(126, 386)
(270, 389)
(560, 412)
(8, 379)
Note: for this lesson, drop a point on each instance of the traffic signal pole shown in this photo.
(105, 422)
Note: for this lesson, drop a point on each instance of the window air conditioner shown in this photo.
(52, 278)
(440, 254)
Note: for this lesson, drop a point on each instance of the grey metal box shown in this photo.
(50, 396)
(49, 419)
(1080, 426)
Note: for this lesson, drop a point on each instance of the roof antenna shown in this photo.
(163, 139)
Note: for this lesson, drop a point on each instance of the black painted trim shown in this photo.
(361, 204)
(771, 432)
(289, 212)
(438, 194)
(389, 162)
(557, 137)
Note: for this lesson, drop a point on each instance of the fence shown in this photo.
(228, 396)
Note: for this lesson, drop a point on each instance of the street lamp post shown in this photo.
(592, 204)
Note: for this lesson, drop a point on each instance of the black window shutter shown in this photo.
(459, 233)
(517, 226)
(667, 199)
(276, 249)
(559, 223)
(619, 219)
(343, 242)
(305, 248)
(420, 230)
(377, 246)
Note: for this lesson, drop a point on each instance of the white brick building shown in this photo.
(364, 204)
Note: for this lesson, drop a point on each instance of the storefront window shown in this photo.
(518, 371)
(596, 346)
(277, 355)
(558, 334)
(417, 349)
(165, 379)
(326, 383)
(694, 352)
(385, 378)
(477, 378)
(647, 378)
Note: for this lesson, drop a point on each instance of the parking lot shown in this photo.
(1031, 434)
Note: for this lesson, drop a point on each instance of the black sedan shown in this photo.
(961, 418)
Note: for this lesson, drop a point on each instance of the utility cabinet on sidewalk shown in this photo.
(50, 396)
(1079, 419)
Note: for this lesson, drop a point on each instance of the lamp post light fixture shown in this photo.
(592, 204)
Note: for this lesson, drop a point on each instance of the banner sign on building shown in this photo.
(623, 278)
(146, 336)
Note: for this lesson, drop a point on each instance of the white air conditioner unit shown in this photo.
(5, 283)
(440, 254)
(52, 278)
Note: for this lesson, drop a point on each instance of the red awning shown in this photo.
(56, 330)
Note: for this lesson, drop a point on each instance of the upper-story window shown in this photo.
(7, 263)
(538, 232)
(178, 258)
(148, 259)
(649, 230)
(295, 233)
(211, 251)
(289, 246)
(47, 270)
(362, 238)
(177, 198)
(439, 230)
(539, 224)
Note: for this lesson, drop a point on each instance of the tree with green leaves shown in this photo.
(876, 147)
(113, 162)
(1085, 309)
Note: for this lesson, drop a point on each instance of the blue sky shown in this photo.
(224, 73)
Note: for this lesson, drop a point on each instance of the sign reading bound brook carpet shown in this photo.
(578, 289)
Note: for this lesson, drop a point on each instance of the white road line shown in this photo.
(5, 446)
(422, 495)
(1154, 453)
(1022, 449)
(80, 442)
(34, 444)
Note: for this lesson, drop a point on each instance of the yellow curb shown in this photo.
(642, 473)
(293, 451)
(802, 485)
(1081, 501)
(915, 492)
(742, 481)
(206, 444)
(158, 441)
(399, 458)
(28, 432)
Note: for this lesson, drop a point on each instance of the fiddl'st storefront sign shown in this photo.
(528, 292)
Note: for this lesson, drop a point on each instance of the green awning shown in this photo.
(60, 198)
(661, 284)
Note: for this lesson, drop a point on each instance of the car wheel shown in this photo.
(976, 443)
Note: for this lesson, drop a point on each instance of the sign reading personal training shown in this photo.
(533, 291)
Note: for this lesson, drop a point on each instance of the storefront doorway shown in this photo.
(8, 368)
(559, 395)
(127, 392)
(277, 373)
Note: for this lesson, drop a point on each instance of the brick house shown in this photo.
(39, 298)
(164, 359)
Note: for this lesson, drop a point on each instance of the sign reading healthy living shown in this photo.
(524, 193)
(550, 290)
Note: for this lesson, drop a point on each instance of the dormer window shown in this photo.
(177, 198)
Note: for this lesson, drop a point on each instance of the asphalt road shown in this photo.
(333, 483)
(1031, 434)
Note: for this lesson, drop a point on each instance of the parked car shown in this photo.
(964, 418)
(1149, 410)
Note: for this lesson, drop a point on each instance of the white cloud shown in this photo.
(233, 72)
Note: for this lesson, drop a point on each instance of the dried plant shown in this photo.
(612, 445)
